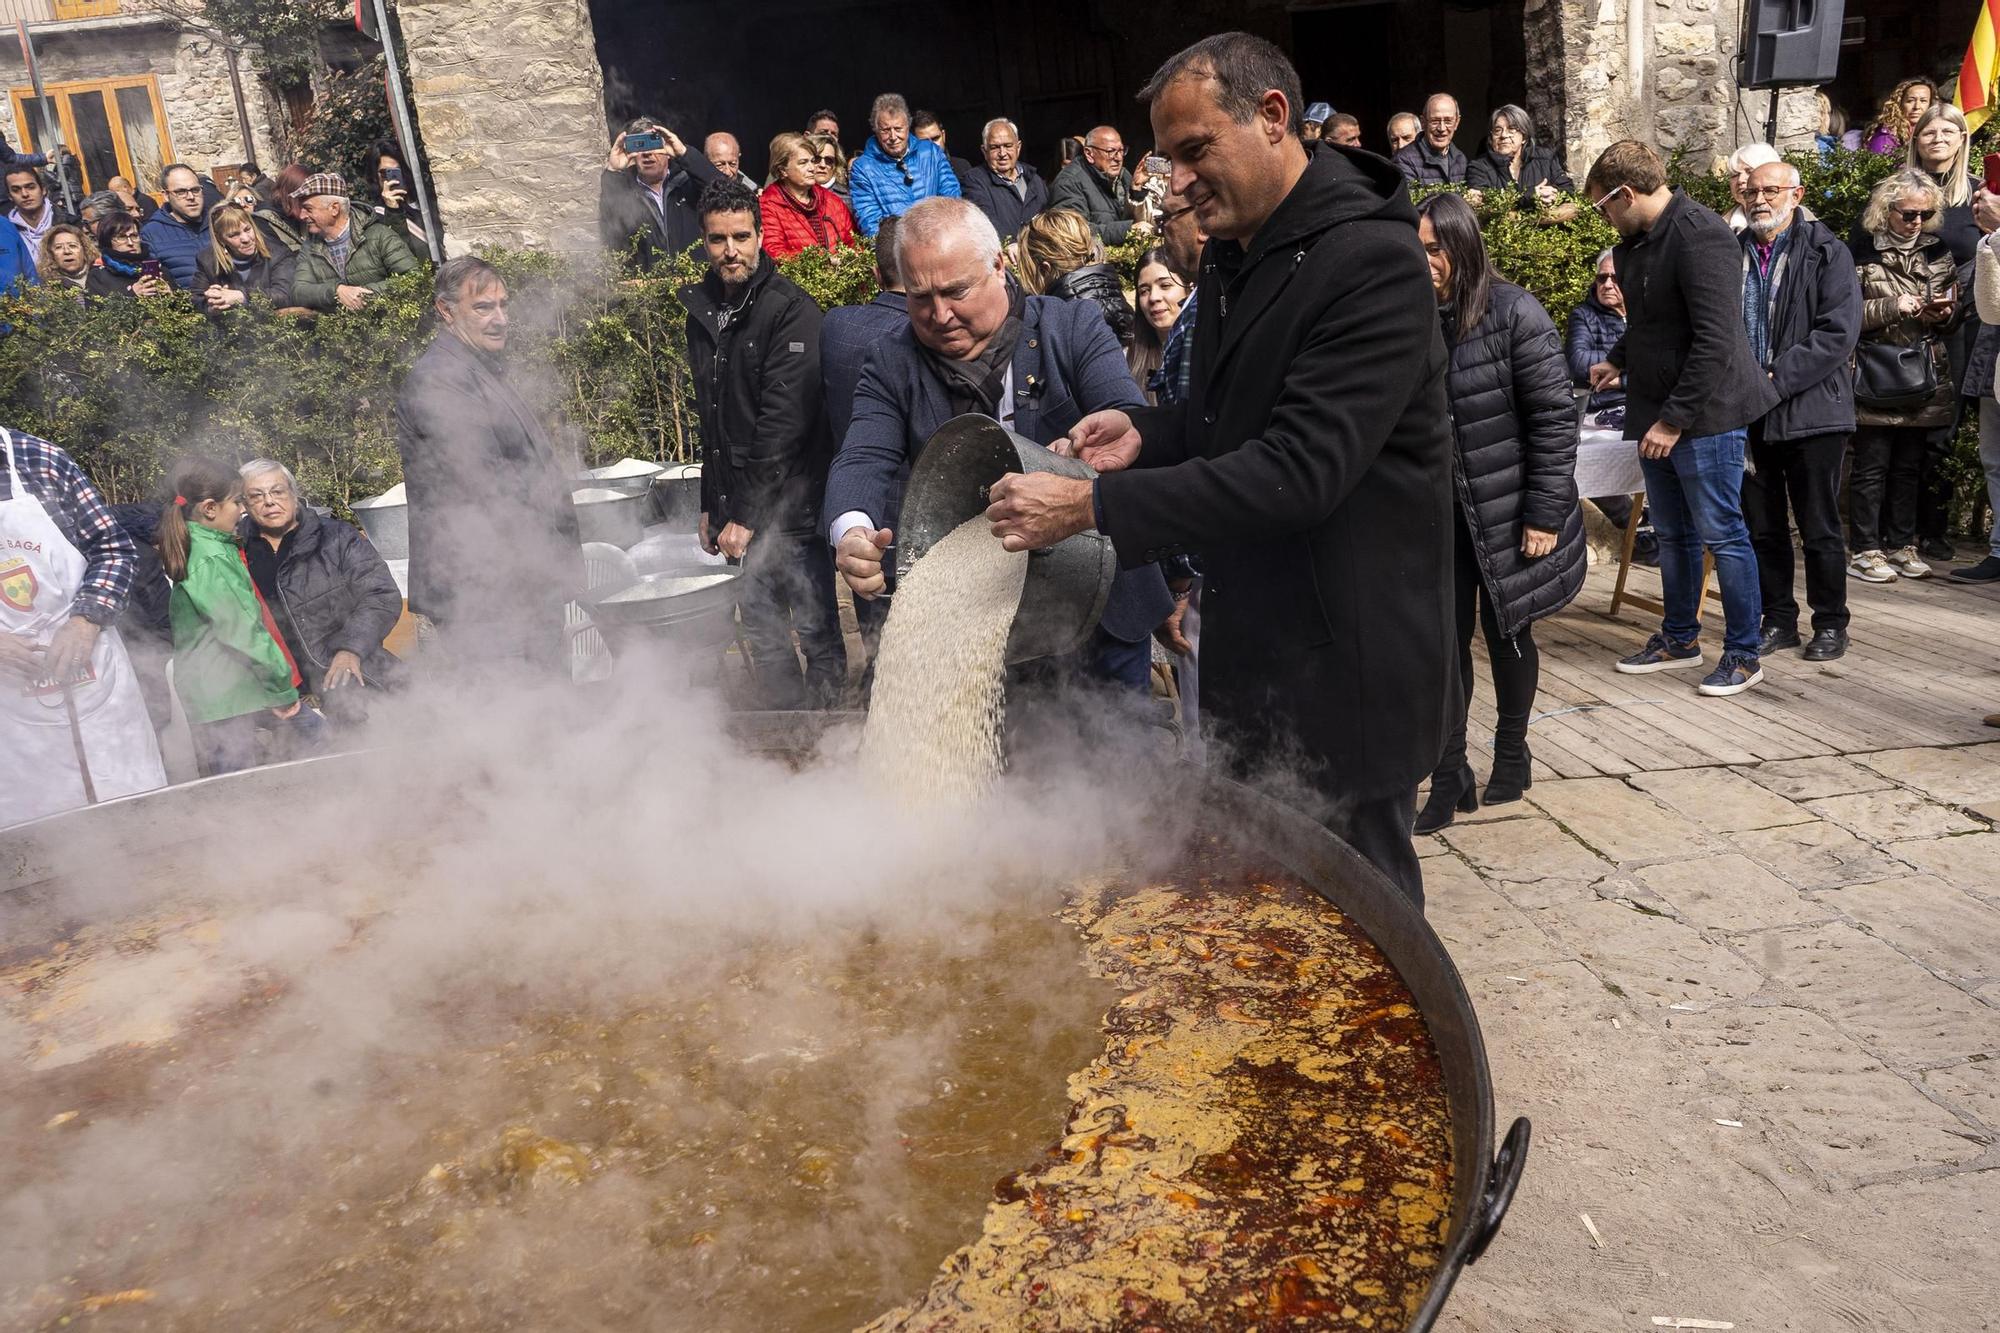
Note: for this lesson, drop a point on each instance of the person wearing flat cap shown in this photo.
(349, 253)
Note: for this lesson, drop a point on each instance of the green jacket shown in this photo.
(379, 254)
(226, 661)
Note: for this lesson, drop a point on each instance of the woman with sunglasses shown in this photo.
(1596, 325)
(829, 163)
(798, 212)
(1908, 294)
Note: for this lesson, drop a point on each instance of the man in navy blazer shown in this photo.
(1036, 364)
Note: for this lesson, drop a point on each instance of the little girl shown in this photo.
(231, 669)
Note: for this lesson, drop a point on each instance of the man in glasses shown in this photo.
(1434, 159)
(1003, 187)
(1097, 185)
(896, 169)
(177, 235)
(1802, 310)
(1692, 387)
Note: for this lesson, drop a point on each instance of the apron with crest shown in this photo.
(40, 573)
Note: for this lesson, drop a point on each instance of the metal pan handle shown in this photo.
(1503, 1180)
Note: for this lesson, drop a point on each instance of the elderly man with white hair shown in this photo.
(350, 252)
(329, 590)
(976, 343)
(1006, 189)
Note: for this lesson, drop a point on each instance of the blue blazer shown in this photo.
(845, 337)
(1066, 365)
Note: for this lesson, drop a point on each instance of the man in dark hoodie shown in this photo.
(1310, 467)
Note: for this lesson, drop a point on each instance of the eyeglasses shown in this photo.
(1607, 279)
(1108, 152)
(908, 179)
(186, 189)
(1168, 218)
(1916, 214)
(827, 160)
(1769, 191)
(1604, 201)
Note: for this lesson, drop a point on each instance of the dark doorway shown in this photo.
(1887, 41)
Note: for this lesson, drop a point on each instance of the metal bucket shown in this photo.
(386, 520)
(1067, 584)
(686, 606)
(677, 496)
(607, 515)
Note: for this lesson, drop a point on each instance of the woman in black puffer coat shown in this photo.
(1520, 530)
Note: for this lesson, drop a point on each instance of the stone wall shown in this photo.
(1680, 94)
(510, 105)
(193, 75)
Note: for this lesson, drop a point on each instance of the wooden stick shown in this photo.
(76, 739)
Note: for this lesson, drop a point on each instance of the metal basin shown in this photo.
(1067, 584)
(689, 606)
(605, 515)
(386, 520)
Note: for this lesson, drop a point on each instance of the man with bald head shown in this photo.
(1097, 185)
(724, 154)
(1802, 310)
(1434, 159)
(976, 343)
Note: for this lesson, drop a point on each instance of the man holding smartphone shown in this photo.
(647, 194)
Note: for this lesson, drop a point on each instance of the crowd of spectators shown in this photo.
(1821, 361)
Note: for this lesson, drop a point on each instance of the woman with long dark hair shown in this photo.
(1520, 530)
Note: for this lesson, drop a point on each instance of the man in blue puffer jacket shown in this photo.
(177, 235)
(895, 171)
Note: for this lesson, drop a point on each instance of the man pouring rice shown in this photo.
(1309, 468)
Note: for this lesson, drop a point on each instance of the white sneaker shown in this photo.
(1908, 563)
(1870, 567)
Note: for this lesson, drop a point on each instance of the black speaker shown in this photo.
(1789, 43)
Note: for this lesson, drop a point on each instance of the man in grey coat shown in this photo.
(494, 547)
(1097, 185)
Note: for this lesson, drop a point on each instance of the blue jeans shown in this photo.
(1695, 495)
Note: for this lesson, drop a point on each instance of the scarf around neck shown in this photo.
(975, 384)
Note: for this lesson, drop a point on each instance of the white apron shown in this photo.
(40, 573)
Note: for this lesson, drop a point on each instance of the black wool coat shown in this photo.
(330, 591)
(1515, 426)
(764, 442)
(494, 546)
(1539, 166)
(1101, 284)
(1815, 324)
(1685, 354)
(1311, 470)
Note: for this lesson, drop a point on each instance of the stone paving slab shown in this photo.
(1971, 862)
(1892, 816)
(1618, 822)
(1810, 779)
(1815, 856)
(1970, 1089)
(1655, 960)
(1946, 930)
(1473, 920)
(1730, 893)
(1879, 996)
(1525, 851)
(1720, 799)
(1955, 776)
(1845, 1114)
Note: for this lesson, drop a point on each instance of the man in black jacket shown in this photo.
(1097, 185)
(1434, 159)
(1006, 189)
(1310, 467)
(1692, 386)
(646, 197)
(328, 588)
(1802, 309)
(753, 344)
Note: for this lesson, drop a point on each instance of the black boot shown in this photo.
(1511, 774)
(1451, 794)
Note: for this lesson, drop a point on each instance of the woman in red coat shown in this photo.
(798, 211)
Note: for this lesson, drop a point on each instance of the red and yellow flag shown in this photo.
(1976, 93)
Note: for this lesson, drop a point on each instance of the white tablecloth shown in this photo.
(1607, 463)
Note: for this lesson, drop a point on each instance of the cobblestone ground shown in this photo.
(1754, 1014)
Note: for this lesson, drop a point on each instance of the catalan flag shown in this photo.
(1976, 93)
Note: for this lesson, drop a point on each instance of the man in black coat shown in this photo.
(753, 345)
(1097, 185)
(1310, 467)
(1692, 387)
(646, 199)
(1434, 159)
(329, 590)
(1006, 189)
(494, 548)
(1802, 310)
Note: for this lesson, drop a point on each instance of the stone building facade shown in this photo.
(88, 58)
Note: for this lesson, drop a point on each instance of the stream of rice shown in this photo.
(933, 730)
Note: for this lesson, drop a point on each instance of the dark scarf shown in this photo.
(118, 266)
(976, 385)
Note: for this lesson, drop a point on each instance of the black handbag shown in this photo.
(1893, 378)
